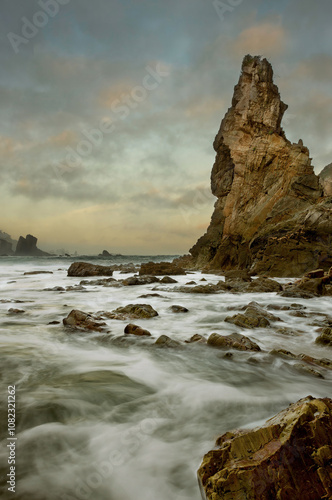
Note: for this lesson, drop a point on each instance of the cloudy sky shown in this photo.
(109, 110)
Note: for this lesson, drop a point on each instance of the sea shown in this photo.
(99, 417)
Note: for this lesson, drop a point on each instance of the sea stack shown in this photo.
(28, 247)
(271, 215)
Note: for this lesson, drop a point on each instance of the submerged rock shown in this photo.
(136, 311)
(253, 317)
(168, 280)
(136, 330)
(288, 458)
(79, 320)
(165, 341)
(15, 311)
(87, 269)
(270, 216)
(325, 338)
(160, 269)
(179, 309)
(140, 280)
(234, 341)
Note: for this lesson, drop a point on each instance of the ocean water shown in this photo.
(100, 419)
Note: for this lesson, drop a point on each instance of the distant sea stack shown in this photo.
(28, 247)
(271, 215)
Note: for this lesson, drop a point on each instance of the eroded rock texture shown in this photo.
(289, 458)
(270, 215)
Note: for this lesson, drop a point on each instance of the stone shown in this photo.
(288, 458)
(253, 317)
(161, 269)
(28, 247)
(168, 280)
(54, 322)
(86, 269)
(140, 280)
(196, 339)
(234, 341)
(136, 330)
(263, 285)
(317, 273)
(307, 370)
(270, 215)
(15, 311)
(237, 273)
(305, 288)
(79, 320)
(144, 311)
(325, 338)
(165, 341)
(179, 309)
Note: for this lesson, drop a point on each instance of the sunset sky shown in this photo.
(109, 110)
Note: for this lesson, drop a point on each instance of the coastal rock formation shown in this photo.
(325, 178)
(28, 247)
(5, 247)
(290, 457)
(270, 216)
(87, 269)
(161, 269)
(79, 320)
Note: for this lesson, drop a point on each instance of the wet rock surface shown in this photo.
(87, 269)
(234, 341)
(161, 269)
(270, 215)
(290, 457)
(79, 320)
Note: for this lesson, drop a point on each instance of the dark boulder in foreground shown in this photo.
(288, 458)
(161, 269)
(86, 269)
(28, 247)
(270, 216)
(144, 311)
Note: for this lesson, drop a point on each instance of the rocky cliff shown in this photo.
(325, 178)
(270, 215)
(5, 247)
(28, 247)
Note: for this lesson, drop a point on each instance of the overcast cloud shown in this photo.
(159, 77)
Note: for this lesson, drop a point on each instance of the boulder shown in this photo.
(168, 280)
(83, 269)
(165, 341)
(161, 269)
(288, 458)
(144, 311)
(270, 216)
(140, 280)
(136, 330)
(15, 311)
(196, 339)
(79, 320)
(253, 317)
(237, 274)
(317, 273)
(233, 341)
(32, 273)
(325, 338)
(179, 309)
